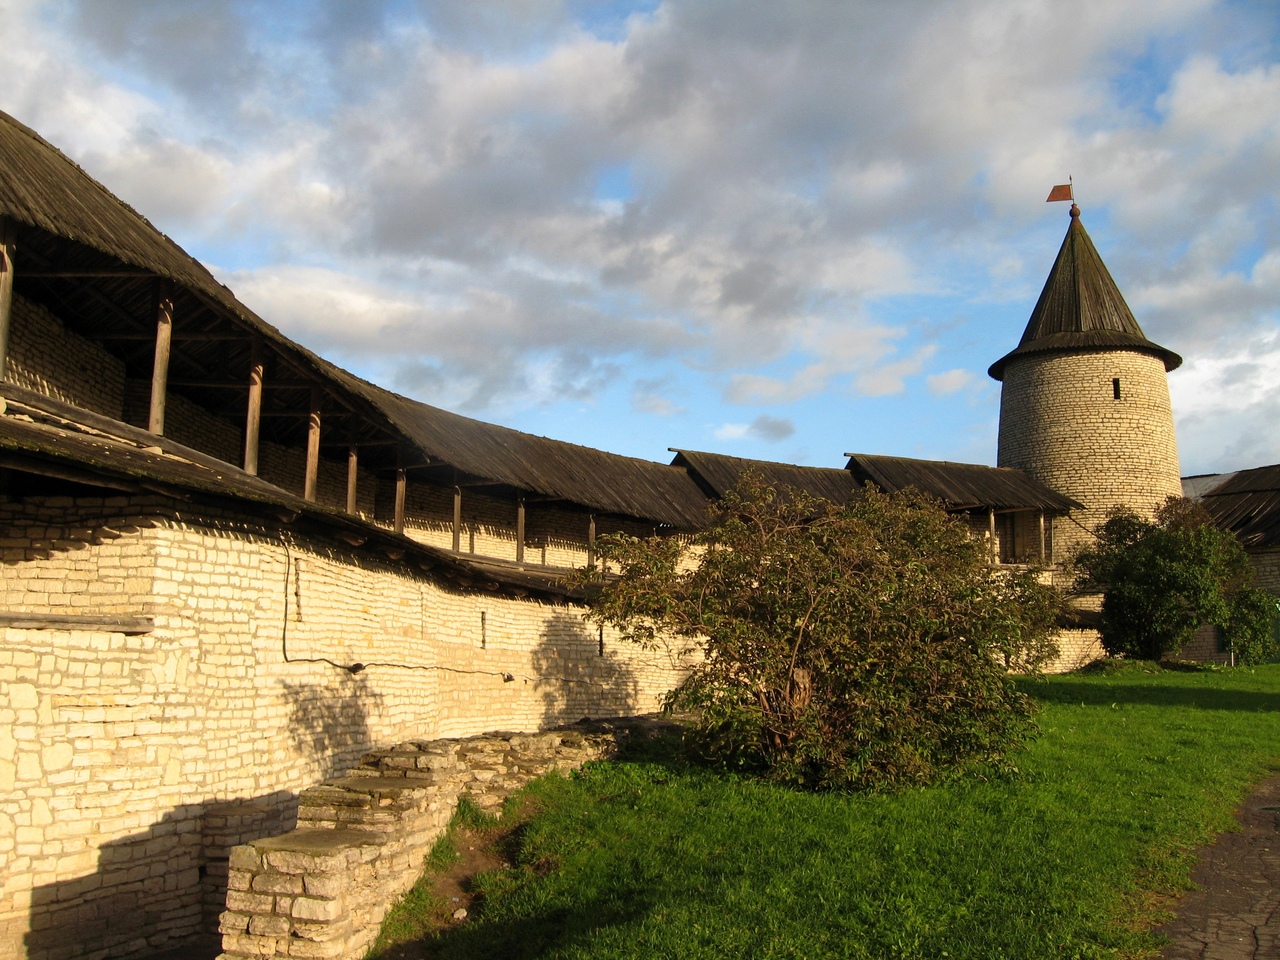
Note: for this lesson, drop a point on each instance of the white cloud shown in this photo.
(950, 381)
(654, 395)
(1227, 407)
(415, 187)
(732, 431)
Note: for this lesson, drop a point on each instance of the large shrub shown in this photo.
(1161, 579)
(854, 646)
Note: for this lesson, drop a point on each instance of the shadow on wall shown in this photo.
(157, 889)
(164, 887)
(329, 725)
(578, 676)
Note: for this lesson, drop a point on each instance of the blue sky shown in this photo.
(775, 230)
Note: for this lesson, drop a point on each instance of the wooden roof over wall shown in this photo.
(53, 440)
(960, 485)
(717, 473)
(51, 198)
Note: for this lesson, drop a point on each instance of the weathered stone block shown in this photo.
(277, 883)
(309, 908)
(233, 922)
(269, 926)
(246, 902)
(245, 858)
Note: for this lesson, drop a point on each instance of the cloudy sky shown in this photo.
(781, 230)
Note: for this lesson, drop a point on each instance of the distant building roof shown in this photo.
(1081, 308)
(1248, 504)
(1193, 488)
(959, 485)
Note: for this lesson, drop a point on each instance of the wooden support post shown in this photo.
(313, 447)
(160, 371)
(457, 519)
(353, 476)
(991, 535)
(1042, 537)
(520, 530)
(8, 234)
(253, 419)
(591, 543)
(402, 483)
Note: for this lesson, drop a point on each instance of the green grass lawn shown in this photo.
(1071, 859)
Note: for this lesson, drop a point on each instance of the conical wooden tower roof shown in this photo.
(1081, 309)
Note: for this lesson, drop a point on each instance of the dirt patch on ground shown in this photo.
(1234, 914)
(452, 890)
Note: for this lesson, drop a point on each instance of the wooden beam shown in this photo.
(457, 519)
(520, 530)
(253, 417)
(402, 482)
(1042, 536)
(108, 623)
(8, 236)
(160, 369)
(313, 447)
(353, 473)
(991, 535)
(591, 543)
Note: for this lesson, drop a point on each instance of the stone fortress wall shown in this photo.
(1061, 422)
(129, 765)
(132, 762)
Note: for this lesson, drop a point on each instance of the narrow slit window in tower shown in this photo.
(1115, 388)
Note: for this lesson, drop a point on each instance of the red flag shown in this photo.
(1061, 192)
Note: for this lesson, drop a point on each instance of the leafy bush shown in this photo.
(855, 646)
(1161, 579)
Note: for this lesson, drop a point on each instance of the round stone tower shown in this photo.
(1084, 406)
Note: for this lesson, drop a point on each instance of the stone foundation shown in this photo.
(322, 890)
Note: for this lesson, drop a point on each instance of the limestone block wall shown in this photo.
(1266, 567)
(323, 889)
(1076, 649)
(47, 357)
(130, 765)
(1061, 423)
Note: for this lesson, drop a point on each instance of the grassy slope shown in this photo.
(1130, 772)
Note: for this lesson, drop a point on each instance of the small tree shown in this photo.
(1161, 579)
(854, 646)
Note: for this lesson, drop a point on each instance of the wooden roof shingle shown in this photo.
(960, 485)
(1081, 308)
(717, 473)
(1248, 504)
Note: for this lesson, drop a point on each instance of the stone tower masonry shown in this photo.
(1084, 406)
